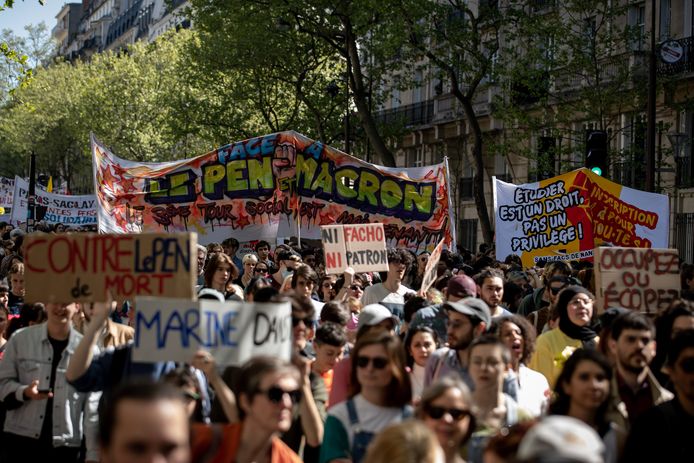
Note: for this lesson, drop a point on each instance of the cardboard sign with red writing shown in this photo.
(83, 267)
(360, 246)
(641, 279)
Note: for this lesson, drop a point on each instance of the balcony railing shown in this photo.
(686, 62)
(409, 115)
(629, 173)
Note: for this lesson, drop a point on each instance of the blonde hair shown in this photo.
(408, 442)
(250, 257)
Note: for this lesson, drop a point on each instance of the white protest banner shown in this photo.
(173, 330)
(430, 269)
(84, 267)
(6, 192)
(53, 208)
(360, 246)
(644, 280)
(565, 217)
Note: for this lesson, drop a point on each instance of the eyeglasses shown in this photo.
(687, 365)
(437, 413)
(260, 270)
(308, 321)
(556, 290)
(275, 394)
(356, 287)
(379, 363)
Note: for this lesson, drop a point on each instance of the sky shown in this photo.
(31, 12)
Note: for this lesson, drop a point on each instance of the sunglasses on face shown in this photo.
(308, 321)
(379, 363)
(687, 365)
(275, 394)
(555, 290)
(356, 287)
(437, 413)
(260, 270)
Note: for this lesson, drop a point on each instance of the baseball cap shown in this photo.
(472, 307)
(561, 439)
(461, 286)
(17, 232)
(373, 314)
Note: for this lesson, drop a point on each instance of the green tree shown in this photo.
(300, 47)
(19, 63)
(576, 61)
(140, 102)
(458, 43)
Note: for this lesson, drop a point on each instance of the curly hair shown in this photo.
(527, 331)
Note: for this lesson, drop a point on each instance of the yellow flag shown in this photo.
(49, 188)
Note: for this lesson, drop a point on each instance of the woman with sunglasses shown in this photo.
(575, 311)
(380, 394)
(542, 319)
(445, 409)
(583, 392)
(261, 270)
(268, 388)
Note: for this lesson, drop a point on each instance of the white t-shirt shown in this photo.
(378, 293)
(533, 390)
(372, 418)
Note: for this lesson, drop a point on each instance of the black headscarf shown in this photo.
(586, 334)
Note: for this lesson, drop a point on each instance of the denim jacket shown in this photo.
(28, 357)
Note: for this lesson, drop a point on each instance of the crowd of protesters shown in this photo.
(493, 363)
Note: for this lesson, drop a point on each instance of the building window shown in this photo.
(637, 24)
(467, 230)
(501, 169)
(684, 236)
(466, 188)
(665, 19)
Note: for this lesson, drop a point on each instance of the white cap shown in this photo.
(561, 438)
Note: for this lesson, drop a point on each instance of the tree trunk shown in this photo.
(360, 95)
(478, 179)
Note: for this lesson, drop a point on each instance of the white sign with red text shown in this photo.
(360, 246)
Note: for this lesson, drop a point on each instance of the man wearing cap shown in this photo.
(459, 287)
(467, 319)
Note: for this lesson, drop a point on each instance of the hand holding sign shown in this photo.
(102, 310)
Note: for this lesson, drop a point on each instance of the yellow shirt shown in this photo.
(551, 351)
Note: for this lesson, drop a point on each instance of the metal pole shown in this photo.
(349, 75)
(650, 132)
(31, 199)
